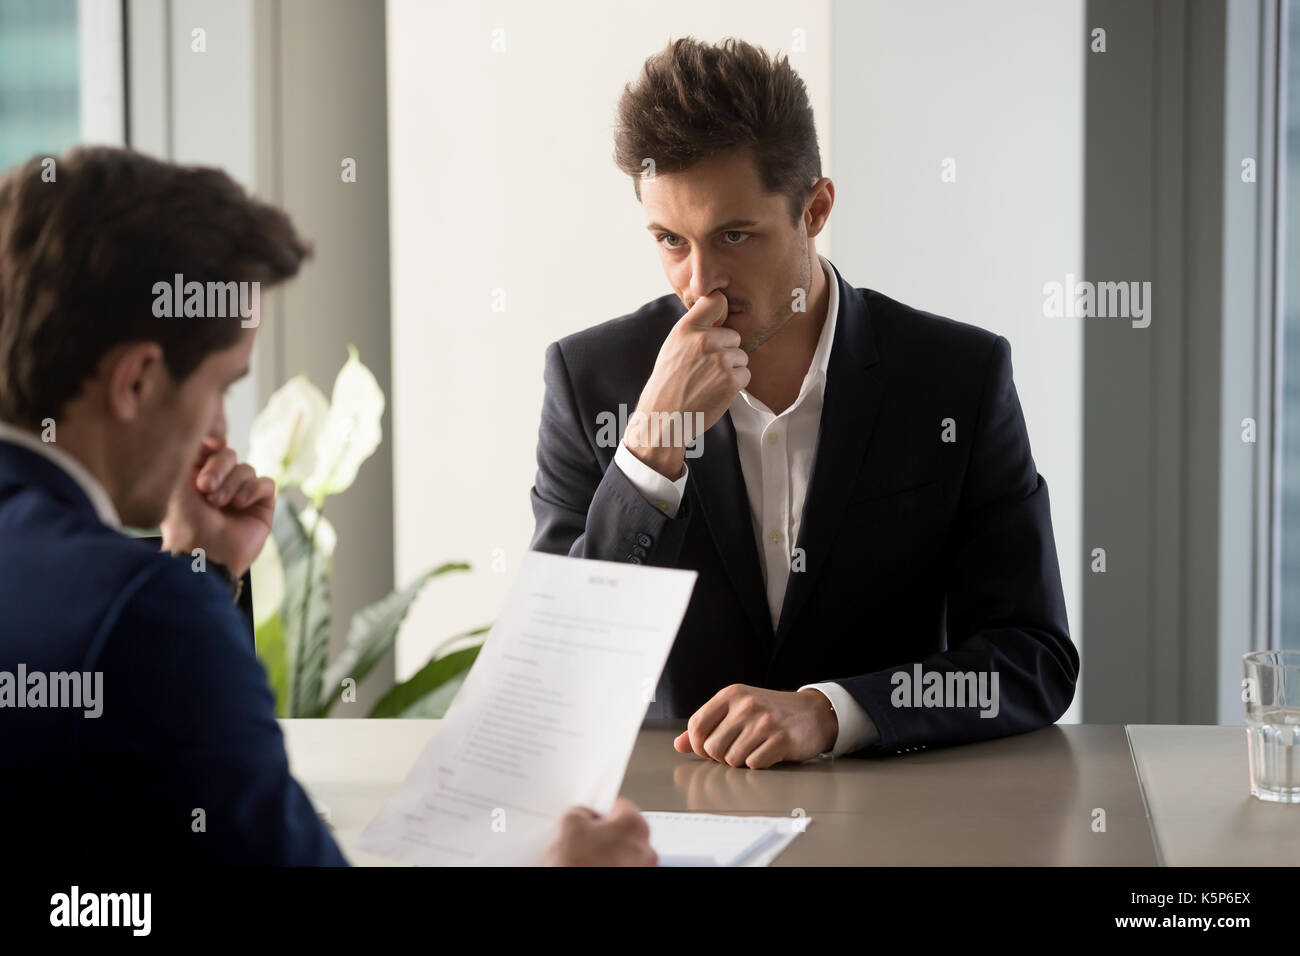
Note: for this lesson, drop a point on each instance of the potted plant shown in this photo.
(302, 440)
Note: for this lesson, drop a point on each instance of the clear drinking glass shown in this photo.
(1271, 692)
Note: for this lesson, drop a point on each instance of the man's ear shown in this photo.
(134, 375)
(819, 206)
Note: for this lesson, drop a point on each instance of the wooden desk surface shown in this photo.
(1024, 800)
(1197, 786)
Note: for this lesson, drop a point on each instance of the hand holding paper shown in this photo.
(545, 721)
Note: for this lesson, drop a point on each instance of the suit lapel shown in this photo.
(22, 468)
(719, 488)
(854, 383)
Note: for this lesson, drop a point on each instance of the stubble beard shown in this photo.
(783, 316)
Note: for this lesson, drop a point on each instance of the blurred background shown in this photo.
(980, 152)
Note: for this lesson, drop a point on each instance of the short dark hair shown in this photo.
(83, 240)
(694, 101)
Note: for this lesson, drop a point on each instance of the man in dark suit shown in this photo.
(877, 571)
(136, 724)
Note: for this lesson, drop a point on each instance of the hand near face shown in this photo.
(700, 369)
(584, 838)
(756, 728)
(221, 506)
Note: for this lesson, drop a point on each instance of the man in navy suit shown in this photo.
(136, 724)
(850, 477)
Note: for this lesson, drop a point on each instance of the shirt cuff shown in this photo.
(857, 730)
(655, 488)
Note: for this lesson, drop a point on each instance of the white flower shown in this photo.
(267, 577)
(286, 433)
(352, 431)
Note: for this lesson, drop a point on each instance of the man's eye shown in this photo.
(668, 240)
(735, 242)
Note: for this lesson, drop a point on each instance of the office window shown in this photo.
(39, 96)
(1289, 342)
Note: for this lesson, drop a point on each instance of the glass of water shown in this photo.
(1271, 692)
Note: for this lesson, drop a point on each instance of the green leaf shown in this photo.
(430, 691)
(433, 705)
(270, 651)
(458, 638)
(306, 611)
(372, 633)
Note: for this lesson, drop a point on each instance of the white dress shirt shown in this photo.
(75, 470)
(776, 460)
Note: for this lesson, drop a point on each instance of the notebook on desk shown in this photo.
(710, 839)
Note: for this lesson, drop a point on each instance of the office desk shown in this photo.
(1028, 799)
(1197, 788)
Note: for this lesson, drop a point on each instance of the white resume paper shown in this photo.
(546, 719)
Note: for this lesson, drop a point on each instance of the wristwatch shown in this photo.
(233, 584)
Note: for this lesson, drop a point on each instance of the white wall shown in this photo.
(211, 124)
(101, 104)
(999, 89)
(195, 107)
(265, 100)
(502, 177)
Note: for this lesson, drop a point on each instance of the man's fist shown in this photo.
(700, 369)
(586, 839)
(751, 727)
(222, 507)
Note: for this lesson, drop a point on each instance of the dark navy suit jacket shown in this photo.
(188, 720)
(915, 549)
